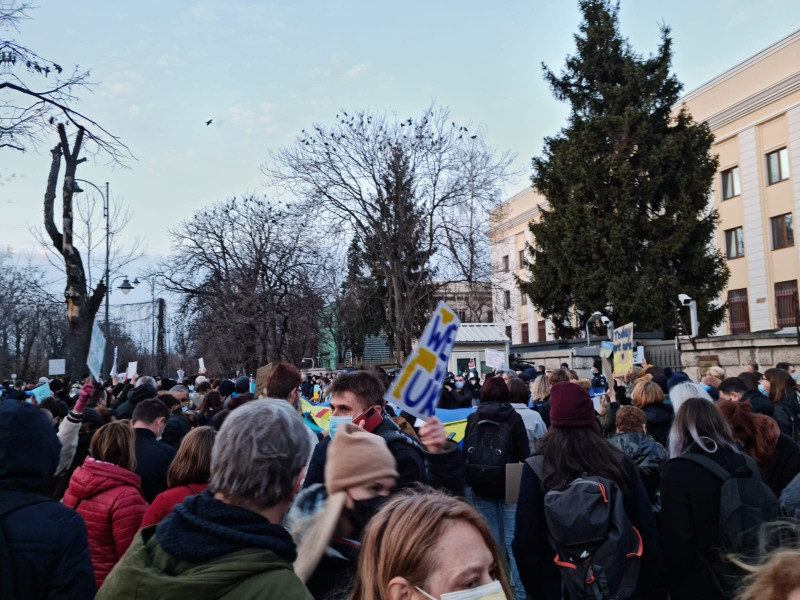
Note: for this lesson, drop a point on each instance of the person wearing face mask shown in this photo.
(153, 456)
(425, 545)
(473, 386)
(327, 521)
(451, 396)
(781, 389)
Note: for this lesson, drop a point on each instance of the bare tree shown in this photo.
(347, 174)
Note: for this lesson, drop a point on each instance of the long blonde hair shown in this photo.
(541, 388)
(400, 541)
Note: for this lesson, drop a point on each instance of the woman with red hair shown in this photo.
(759, 436)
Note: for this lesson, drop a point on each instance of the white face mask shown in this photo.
(490, 591)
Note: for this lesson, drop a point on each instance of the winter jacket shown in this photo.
(520, 446)
(790, 499)
(759, 403)
(109, 498)
(543, 409)
(787, 414)
(152, 462)
(690, 496)
(175, 430)
(659, 420)
(415, 465)
(784, 464)
(534, 425)
(334, 575)
(534, 554)
(68, 431)
(205, 550)
(452, 399)
(649, 456)
(166, 501)
(44, 552)
(136, 395)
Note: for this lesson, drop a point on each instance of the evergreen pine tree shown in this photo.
(627, 183)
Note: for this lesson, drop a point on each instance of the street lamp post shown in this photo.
(106, 211)
(152, 281)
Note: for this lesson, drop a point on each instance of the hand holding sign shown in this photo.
(417, 387)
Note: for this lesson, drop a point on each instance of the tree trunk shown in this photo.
(161, 353)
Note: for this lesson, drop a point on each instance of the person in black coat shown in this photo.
(650, 398)
(690, 498)
(782, 391)
(143, 391)
(646, 453)
(574, 446)
(432, 460)
(44, 549)
(153, 457)
(744, 388)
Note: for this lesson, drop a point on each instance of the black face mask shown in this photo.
(363, 511)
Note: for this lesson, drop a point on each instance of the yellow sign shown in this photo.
(623, 350)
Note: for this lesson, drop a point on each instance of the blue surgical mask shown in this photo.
(185, 409)
(762, 390)
(795, 376)
(459, 385)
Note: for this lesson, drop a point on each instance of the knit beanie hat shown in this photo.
(242, 385)
(356, 457)
(226, 388)
(677, 378)
(570, 406)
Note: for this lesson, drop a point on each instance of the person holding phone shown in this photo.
(432, 459)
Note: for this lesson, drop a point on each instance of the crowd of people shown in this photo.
(657, 487)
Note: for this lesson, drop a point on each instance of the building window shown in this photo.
(462, 315)
(782, 232)
(738, 313)
(734, 243)
(786, 303)
(507, 299)
(541, 333)
(524, 334)
(730, 183)
(777, 166)
(521, 259)
(505, 264)
(508, 331)
(490, 316)
(523, 298)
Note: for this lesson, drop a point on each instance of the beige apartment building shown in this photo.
(753, 110)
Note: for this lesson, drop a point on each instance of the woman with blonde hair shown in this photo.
(328, 520)
(187, 476)
(426, 545)
(540, 397)
(649, 396)
(107, 493)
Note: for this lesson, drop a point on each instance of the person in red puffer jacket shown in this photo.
(188, 474)
(108, 495)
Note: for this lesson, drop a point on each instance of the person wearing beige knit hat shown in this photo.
(327, 519)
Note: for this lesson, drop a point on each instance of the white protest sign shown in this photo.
(495, 358)
(57, 366)
(131, 370)
(418, 385)
(639, 358)
(114, 366)
(202, 364)
(97, 349)
(180, 375)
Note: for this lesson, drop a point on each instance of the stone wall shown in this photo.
(734, 353)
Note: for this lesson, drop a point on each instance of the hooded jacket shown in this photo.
(43, 548)
(136, 395)
(649, 456)
(208, 549)
(109, 498)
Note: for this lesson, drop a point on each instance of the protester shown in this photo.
(691, 497)
(540, 398)
(495, 436)
(649, 397)
(681, 392)
(210, 405)
(760, 437)
(782, 392)
(431, 460)
(107, 494)
(327, 521)
(452, 398)
(228, 541)
(424, 544)
(574, 448)
(776, 578)
(43, 543)
(144, 389)
(737, 389)
(153, 457)
(187, 476)
(519, 397)
(283, 383)
(473, 387)
(647, 454)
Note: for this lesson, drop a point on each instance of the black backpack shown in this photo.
(745, 504)
(598, 551)
(488, 448)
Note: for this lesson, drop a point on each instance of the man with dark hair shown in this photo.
(351, 395)
(284, 383)
(744, 388)
(153, 457)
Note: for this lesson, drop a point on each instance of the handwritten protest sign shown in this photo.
(131, 370)
(58, 366)
(606, 349)
(623, 349)
(97, 348)
(114, 366)
(202, 363)
(417, 387)
(495, 358)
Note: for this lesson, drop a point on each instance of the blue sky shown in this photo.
(265, 70)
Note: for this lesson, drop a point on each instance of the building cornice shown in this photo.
(525, 217)
(742, 66)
